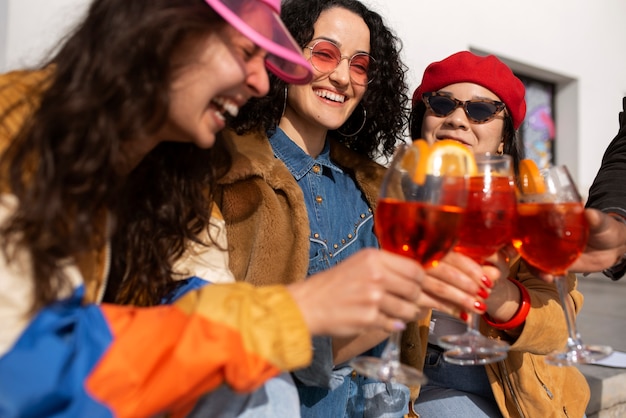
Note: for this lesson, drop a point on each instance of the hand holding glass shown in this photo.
(418, 215)
(551, 235)
(487, 226)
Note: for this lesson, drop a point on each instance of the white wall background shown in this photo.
(4, 14)
(579, 44)
(32, 27)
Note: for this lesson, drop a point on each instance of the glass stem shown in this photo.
(573, 340)
(473, 324)
(391, 353)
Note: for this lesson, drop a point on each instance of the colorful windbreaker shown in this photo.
(76, 360)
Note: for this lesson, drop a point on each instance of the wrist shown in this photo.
(618, 269)
(520, 315)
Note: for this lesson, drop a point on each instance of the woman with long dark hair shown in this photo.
(108, 165)
(479, 102)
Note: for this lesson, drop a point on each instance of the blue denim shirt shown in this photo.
(341, 224)
(340, 218)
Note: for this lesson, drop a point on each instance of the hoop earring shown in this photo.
(500, 150)
(360, 128)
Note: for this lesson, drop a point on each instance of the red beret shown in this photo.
(488, 72)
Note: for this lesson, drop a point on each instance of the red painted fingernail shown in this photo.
(483, 293)
(480, 306)
(463, 315)
(486, 281)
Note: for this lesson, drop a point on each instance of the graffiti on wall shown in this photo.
(538, 130)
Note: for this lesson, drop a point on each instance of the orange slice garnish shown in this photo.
(419, 152)
(531, 180)
(444, 157)
(450, 157)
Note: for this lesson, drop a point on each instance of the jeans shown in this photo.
(455, 391)
(278, 398)
(355, 396)
(358, 396)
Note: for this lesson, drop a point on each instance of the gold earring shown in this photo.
(500, 148)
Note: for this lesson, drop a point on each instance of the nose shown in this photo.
(341, 74)
(457, 119)
(257, 78)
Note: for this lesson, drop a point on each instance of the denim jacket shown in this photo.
(340, 219)
(341, 223)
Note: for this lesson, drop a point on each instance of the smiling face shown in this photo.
(327, 102)
(480, 138)
(215, 76)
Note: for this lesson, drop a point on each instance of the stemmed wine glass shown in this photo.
(488, 226)
(418, 214)
(552, 233)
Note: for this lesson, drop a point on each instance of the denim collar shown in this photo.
(298, 162)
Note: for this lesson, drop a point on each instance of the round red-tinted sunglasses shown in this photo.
(325, 57)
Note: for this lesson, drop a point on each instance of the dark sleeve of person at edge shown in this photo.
(608, 191)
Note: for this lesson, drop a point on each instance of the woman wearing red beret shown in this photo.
(522, 385)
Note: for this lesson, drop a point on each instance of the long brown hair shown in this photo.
(109, 86)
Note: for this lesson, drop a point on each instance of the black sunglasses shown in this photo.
(477, 111)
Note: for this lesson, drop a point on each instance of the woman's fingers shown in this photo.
(459, 285)
(372, 289)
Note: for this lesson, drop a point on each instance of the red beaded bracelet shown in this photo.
(521, 314)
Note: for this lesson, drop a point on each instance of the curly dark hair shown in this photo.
(513, 145)
(109, 86)
(385, 100)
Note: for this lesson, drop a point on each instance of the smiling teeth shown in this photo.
(226, 106)
(331, 96)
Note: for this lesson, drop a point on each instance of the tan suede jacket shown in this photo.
(268, 235)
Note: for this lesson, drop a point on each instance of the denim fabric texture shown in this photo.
(340, 219)
(354, 395)
(454, 391)
(277, 398)
(341, 224)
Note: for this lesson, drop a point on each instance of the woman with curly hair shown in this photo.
(372, 115)
(300, 195)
